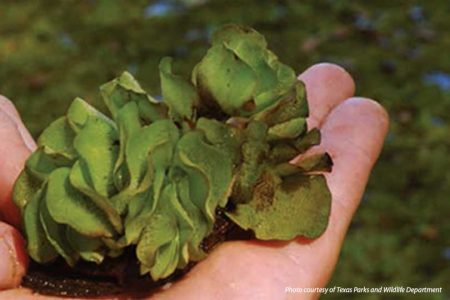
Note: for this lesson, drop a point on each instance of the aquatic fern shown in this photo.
(153, 173)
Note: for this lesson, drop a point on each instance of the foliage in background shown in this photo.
(396, 51)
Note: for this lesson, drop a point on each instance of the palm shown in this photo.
(353, 130)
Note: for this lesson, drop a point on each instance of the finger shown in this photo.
(8, 107)
(353, 134)
(14, 261)
(327, 85)
(13, 153)
(27, 294)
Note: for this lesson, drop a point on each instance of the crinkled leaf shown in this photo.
(199, 222)
(90, 249)
(273, 78)
(80, 112)
(124, 89)
(41, 164)
(282, 210)
(149, 111)
(77, 178)
(166, 259)
(178, 94)
(254, 151)
(128, 123)
(57, 139)
(225, 81)
(173, 253)
(312, 138)
(292, 105)
(97, 150)
(282, 152)
(56, 235)
(140, 210)
(149, 153)
(230, 33)
(185, 224)
(204, 158)
(25, 188)
(38, 246)
(68, 206)
(156, 143)
(287, 130)
(160, 230)
(221, 135)
(320, 162)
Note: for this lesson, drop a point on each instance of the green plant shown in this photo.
(153, 174)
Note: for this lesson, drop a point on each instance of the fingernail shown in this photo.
(7, 267)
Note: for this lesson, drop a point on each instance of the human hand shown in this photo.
(353, 130)
(15, 146)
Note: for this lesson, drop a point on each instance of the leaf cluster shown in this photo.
(153, 173)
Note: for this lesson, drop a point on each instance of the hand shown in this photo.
(353, 130)
(15, 146)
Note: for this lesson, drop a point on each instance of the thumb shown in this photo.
(13, 153)
(14, 261)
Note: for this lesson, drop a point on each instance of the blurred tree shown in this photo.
(396, 50)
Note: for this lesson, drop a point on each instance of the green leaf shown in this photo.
(232, 32)
(41, 164)
(283, 210)
(25, 188)
(56, 235)
(184, 221)
(197, 219)
(311, 138)
(128, 123)
(161, 252)
(77, 178)
(194, 153)
(38, 245)
(149, 152)
(124, 89)
(226, 81)
(292, 105)
(140, 210)
(287, 130)
(254, 151)
(320, 162)
(274, 79)
(151, 111)
(166, 260)
(222, 136)
(57, 139)
(90, 249)
(160, 231)
(68, 206)
(129, 83)
(282, 152)
(155, 144)
(97, 150)
(80, 112)
(178, 94)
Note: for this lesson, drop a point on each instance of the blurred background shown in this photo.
(397, 51)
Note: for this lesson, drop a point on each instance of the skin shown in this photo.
(353, 130)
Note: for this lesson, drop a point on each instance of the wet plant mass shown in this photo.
(152, 175)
